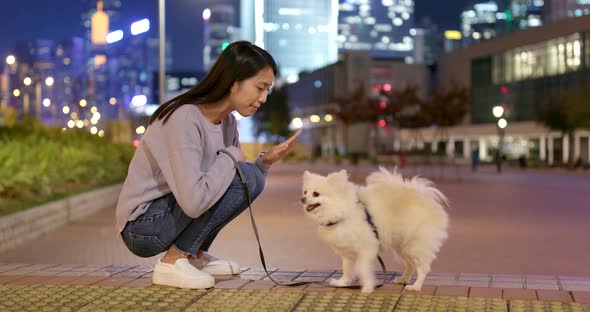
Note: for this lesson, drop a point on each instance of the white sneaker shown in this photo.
(215, 266)
(181, 274)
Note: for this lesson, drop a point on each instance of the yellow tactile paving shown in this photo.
(103, 298)
(416, 303)
(540, 306)
(324, 301)
(245, 300)
(145, 299)
(50, 297)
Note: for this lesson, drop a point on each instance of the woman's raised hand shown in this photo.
(279, 151)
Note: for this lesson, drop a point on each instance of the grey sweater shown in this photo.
(181, 157)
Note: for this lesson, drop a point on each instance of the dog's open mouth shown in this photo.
(309, 208)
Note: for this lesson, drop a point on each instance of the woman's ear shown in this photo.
(234, 87)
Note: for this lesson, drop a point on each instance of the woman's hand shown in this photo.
(279, 151)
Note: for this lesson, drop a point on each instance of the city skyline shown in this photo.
(186, 55)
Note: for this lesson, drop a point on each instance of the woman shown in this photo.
(182, 187)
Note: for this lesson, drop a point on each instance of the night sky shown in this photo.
(60, 19)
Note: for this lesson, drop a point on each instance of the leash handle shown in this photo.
(261, 253)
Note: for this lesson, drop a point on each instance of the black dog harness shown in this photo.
(369, 220)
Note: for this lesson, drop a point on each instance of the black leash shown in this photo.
(261, 253)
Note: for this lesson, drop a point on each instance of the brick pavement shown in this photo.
(437, 284)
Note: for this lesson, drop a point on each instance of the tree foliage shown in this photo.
(566, 110)
(358, 107)
(448, 108)
(442, 109)
(406, 107)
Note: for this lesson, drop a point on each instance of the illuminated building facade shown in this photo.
(384, 28)
(300, 34)
(219, 31)
(557, 9)
(525, 72)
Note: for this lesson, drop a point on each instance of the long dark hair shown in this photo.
(239, 61)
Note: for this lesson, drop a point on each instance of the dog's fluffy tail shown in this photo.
(422, 184)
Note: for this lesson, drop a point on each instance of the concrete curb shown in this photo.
(24, 226)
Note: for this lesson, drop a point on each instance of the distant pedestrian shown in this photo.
(522, 163)
(498, 161)
(182, 187)
(402, 159)
(474, 160)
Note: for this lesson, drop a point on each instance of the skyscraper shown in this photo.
(427, 42)
(219, 30)
(558, 9)
(384, 28)
(486, 20)
(300, 34)
(479, 22)
(519, 14)
(110, 7)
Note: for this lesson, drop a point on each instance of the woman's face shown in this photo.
(247, 95)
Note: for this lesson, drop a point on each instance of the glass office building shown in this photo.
(523, 77)
(300, 34)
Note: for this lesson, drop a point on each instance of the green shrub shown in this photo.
(39, 162)
(7, 117)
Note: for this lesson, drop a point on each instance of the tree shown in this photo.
(272, 119)
(446, 109)
(406, 108)
(578, 107)
(355, 108)
(566, 111)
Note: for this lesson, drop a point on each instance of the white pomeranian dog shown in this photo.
(390, 213)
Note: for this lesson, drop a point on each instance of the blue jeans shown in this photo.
(164, 223)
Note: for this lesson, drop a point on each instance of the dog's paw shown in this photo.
(400, 280)
(367, 289)
(413, 287)
(341, 282)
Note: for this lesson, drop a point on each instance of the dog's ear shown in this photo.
(341, 175)
(306, 175)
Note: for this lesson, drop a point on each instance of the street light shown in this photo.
(498, 112)
(38, 89)
(49, 81)
(46, 102)
(5, 86)
(10, 59)
(28, 81)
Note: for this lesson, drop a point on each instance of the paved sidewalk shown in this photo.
(129, 288)
(539, 229)
(518, 222)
